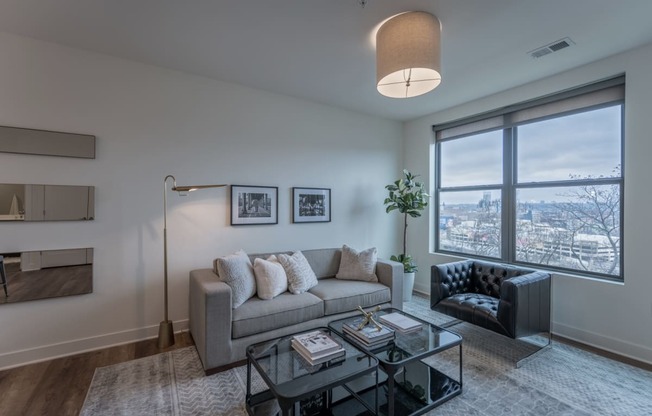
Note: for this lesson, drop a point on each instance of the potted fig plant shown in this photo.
(408, 197)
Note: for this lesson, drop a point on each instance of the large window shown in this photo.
(540, 183)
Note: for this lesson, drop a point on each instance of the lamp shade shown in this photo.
(408, 50)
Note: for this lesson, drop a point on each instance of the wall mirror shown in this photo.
(32, 275)
(20, 202)
(44, 142)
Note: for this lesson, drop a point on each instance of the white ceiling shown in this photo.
(322, 50)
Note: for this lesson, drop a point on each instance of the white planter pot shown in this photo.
(408, 285)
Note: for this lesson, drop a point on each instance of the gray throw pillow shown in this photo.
(300, 275)
(358, 265)
(236, 271)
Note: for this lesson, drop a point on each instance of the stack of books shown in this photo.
(401, 322)
(369, 335)
(317, 347)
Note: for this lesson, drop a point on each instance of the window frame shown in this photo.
(510, 186)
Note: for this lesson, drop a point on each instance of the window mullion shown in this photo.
(437, 184)
(508, 229)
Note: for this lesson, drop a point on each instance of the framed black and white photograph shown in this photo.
(252, 205)
(311, 205)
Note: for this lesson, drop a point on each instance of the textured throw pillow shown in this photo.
(236, 271)
(271, 279)
(300, 274)
(358, 265)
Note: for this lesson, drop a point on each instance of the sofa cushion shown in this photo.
(300, 275)
(347, 295)
(324, 261)
(257, 315)
(358, 265)
(271, 279)
(263, 256)
(236, 271)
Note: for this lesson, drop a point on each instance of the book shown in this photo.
(320, 358)
(301, 349)
(315, 343)
(401, 322)
(369, 334)
(351, 336)
(357, 334)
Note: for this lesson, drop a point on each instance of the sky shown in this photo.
(580, 144)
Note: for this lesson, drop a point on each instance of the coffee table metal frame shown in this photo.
(431, 340)
(289, 391)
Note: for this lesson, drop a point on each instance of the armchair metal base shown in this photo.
(536, 353)
(522, 361)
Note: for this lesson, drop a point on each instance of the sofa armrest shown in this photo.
(450, 279)
(390, 273)
(524, 307)
(210, 316)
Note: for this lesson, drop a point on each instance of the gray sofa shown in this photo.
(221, 333)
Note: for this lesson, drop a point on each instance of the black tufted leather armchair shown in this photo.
(507, 299)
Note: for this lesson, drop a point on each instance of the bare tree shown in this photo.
(594, 209)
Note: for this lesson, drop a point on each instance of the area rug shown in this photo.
(562, 380)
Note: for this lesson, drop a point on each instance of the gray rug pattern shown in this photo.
(560, 381)
(144, 386)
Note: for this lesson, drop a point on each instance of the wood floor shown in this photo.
(58, 387)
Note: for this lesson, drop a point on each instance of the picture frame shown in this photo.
(254, 205)
(311, 205)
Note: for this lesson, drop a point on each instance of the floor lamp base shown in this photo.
(165, 334)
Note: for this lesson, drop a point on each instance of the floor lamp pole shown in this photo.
(165, 329)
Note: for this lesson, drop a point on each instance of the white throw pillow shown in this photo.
(236, 271)
(358, 265)
(300, 274)
(271, 279)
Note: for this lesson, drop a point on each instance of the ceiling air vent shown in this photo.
(552, 47)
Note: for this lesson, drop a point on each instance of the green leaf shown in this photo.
(408, 197)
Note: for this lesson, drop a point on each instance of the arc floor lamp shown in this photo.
(165, 329)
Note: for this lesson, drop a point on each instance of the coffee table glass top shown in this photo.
(406, 346)
(289, 376)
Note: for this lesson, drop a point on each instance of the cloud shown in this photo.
(587, 143)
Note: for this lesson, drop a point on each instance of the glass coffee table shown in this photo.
(412, 387)
(295, 387)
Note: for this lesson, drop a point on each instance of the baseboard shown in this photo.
(421, 288)
(63, 349)
(612, 345)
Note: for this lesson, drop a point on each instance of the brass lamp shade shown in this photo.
(408, 50)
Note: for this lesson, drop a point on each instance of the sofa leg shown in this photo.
(534, 354)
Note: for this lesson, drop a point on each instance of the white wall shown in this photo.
(150, 122)
(616, 317)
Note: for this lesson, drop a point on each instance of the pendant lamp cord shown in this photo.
(407, 80)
